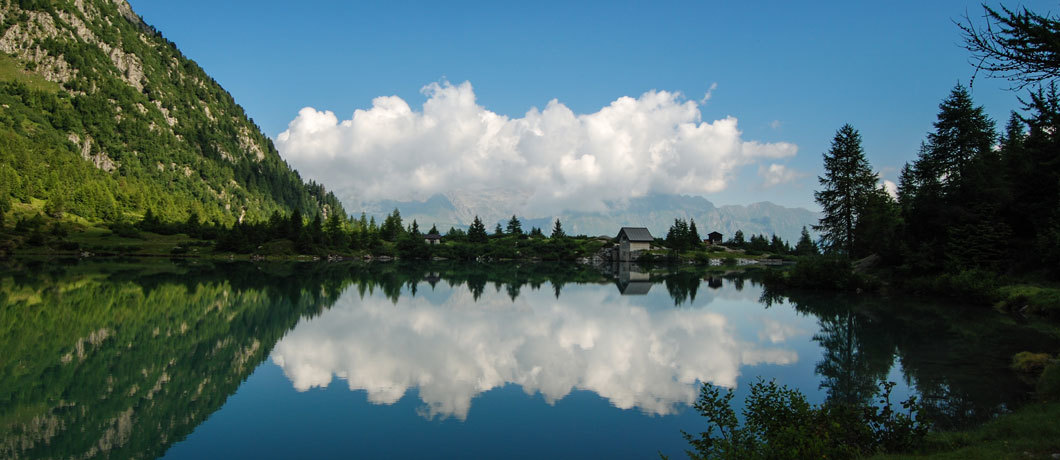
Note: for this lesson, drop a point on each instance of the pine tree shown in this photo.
(958, 184)
(847, 182)
(391, 228)
(476, 233)
(557, 231)
(294, 225)
(962, 133)
(333, 230)
(694, 240)
(498, 231)
(515, 227)
(5, 206)
(805, 246)
(678, 237)
(907, 188)
(738, 240)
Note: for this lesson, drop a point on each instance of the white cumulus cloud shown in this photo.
(551, 159)
(776, 174)
(891, 188)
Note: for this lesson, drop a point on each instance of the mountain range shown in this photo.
(656, 212)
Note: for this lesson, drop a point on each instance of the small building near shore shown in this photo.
(432, 238)
(713, 238)
(631, 241)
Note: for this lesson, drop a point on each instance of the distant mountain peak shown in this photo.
(656, 212)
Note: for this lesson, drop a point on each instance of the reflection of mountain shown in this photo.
(456, 349)
(655, 212)
(121, 361)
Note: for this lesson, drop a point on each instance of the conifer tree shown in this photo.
(294, 225)
(958, 189)
(557, 230)
(694, 240)
(738, 240)
(476, 233)
(334, 231)
(514, 226)
(848, 180)
(805, 246)
(962, 133)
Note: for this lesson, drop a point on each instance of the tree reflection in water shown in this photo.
(123, 359)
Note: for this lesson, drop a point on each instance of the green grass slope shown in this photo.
(104, 118)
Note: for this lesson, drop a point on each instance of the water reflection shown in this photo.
(458, 346)
(121, 360)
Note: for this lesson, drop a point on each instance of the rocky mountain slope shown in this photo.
(104, 118)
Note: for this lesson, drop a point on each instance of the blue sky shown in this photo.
(788, 72)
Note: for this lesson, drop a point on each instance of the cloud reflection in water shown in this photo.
(453, 350)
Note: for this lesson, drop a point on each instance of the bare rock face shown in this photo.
(100, 159)
(21, 40)
(127, 12)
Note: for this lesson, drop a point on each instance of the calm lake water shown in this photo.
(333, 360)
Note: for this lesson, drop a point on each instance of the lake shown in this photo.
(145, 359)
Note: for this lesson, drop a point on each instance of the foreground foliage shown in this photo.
(779, 423)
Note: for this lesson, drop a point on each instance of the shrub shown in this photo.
(980, 286)
(1030, 363)
(701, 258)
(1048, 388)
(780, 423)
(1034, 300)
(278, 248)
(125, 230)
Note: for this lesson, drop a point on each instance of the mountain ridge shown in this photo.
(656, 212)
(105, 118)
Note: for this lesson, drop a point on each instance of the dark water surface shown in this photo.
(145, 359)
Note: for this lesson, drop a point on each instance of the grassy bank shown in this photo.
(1030, 432)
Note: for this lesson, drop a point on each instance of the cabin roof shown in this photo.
(635, 288)
(636, 234)
(713, 233)
(433, 236)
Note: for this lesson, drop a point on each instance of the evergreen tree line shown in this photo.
(972, 198)
(774, 244)
(684, 236)
(296, 233)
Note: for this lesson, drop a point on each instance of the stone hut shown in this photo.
(633, 240)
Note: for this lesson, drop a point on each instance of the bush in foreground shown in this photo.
(780, 423)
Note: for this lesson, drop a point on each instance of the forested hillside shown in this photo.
(104, 118)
